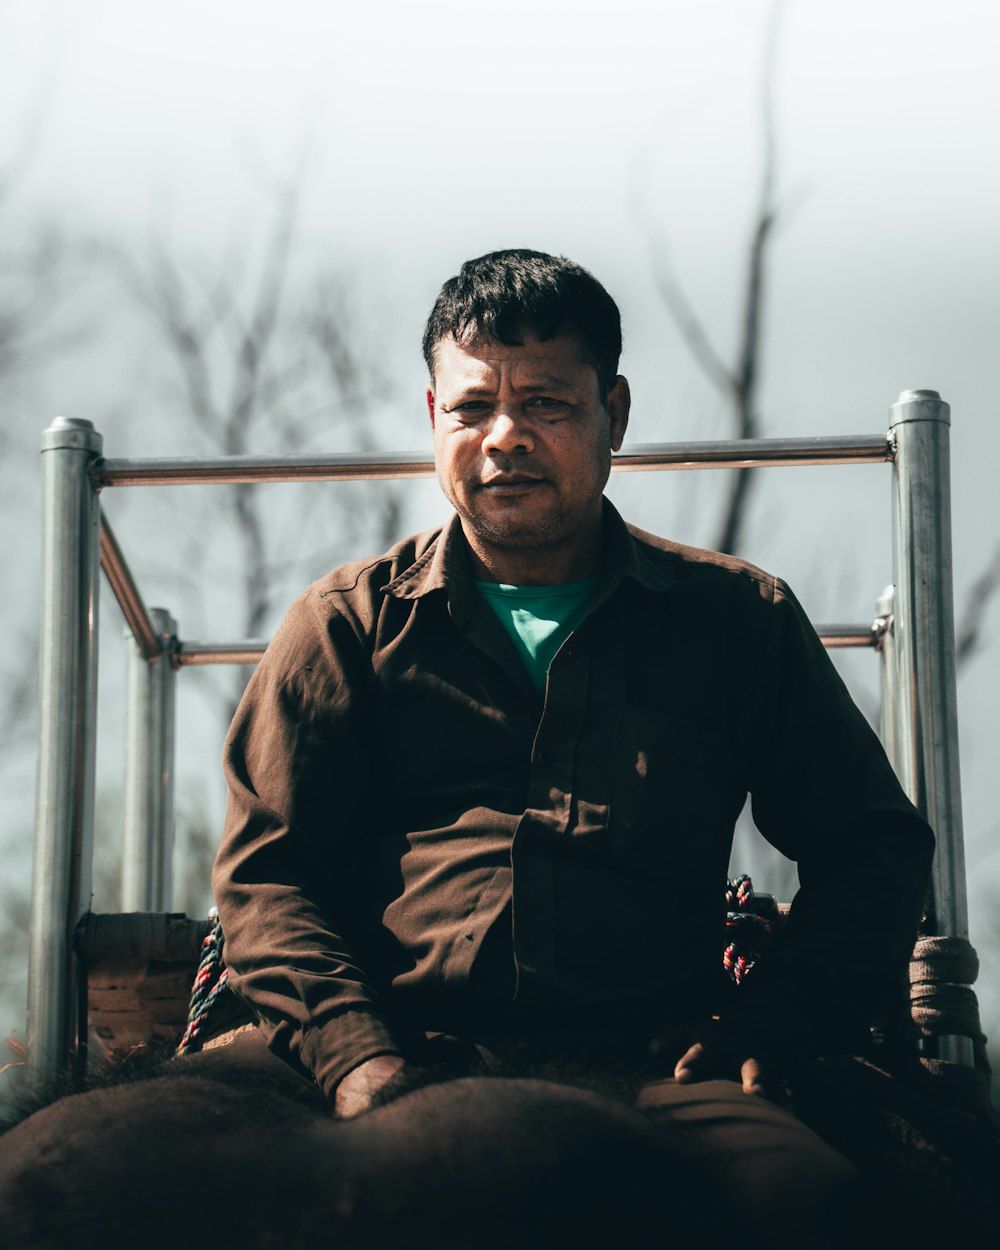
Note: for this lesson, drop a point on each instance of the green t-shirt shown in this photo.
(539, 618)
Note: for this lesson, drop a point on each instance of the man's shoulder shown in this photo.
(698, 569)
(370, 575)
(351, 596)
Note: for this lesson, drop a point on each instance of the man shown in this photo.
(483, 787)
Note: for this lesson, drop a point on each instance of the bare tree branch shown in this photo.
(969, 630)
(693, 332)
(248, 367)
(20, 690)
(258, 335)
(17, 162)
(747, 424)
(739, 385)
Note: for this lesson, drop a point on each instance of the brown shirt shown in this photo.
(398, 790)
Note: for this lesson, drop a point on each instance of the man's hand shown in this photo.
(361, 1088)
(708, 1061)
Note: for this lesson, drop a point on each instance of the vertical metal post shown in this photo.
(888, 686)
(64, 821)
(149, 774)
(924, 620)
(925, 640)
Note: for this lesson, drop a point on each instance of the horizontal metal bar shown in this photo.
(742, 453)
(763, 453)
(732, 454)
(120, 579)
(185, 471)
(250, 652)
(833, 637)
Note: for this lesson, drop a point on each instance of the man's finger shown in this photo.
(691, 1065)
(752, 1076)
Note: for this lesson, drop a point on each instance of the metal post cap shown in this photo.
(909, 396)
(71, 423)
(919, 405)
(72, 432)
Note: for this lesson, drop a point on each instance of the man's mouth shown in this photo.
(503, 482)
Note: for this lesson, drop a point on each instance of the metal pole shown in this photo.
(888, 669)
(923, 610)
(64, 821)
(149, 773)
(187, 652)
(374, 466)
(123, 586)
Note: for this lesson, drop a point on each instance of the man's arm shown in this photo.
(825, 795)
(303, 797)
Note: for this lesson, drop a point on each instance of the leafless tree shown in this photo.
(263, 368)
(38, 261)
(25, 264)
(32, 286)
(40, 267)
(969, 629)
(737, 383)
(261, 360)
(37, 272)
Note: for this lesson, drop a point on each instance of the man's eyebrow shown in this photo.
(483, 386)
(468, 390)
(487, 386)
(547, 384)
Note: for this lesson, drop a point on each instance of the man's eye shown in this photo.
(547, 405)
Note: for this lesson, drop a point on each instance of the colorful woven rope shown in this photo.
(211, 982)
(746, 927)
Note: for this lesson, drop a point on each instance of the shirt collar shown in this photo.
(443, 562)
(444, 565)
(631, 553)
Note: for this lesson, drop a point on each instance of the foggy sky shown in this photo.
(420, 135)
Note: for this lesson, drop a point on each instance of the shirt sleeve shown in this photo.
(825, 795)
(301, 798)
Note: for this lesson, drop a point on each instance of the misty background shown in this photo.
(222, 227)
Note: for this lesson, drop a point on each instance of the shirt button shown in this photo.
(544, 758)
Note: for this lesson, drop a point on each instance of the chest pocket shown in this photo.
(675, 794)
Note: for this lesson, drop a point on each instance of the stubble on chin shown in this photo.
(516, 533)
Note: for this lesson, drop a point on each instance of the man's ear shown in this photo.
(430, 405)
(618, 404)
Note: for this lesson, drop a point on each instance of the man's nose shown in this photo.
(508, 433)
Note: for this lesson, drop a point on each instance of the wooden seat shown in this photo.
(138, 968)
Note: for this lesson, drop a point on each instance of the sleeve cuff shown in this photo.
(792, 1024)
(341, 1045)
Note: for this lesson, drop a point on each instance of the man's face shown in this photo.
(523, 441)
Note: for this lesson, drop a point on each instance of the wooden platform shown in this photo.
(138, 968)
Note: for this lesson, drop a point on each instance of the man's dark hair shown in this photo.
(504, 295)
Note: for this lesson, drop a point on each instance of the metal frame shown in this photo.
(914, 632)
(147, 856)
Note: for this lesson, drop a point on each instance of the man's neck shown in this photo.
(536, 566)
